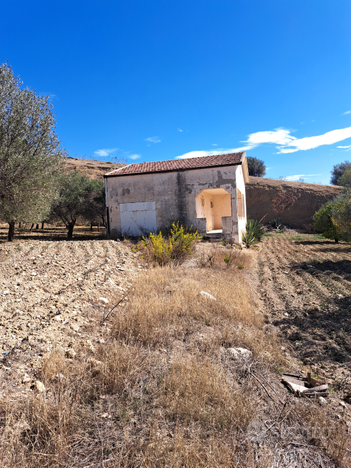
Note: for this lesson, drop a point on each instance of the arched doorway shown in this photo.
(213, 204)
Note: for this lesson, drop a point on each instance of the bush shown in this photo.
(253, 233)
(324, 224)
(172, 249)
(256, 167)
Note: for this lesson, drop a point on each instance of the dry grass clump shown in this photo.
(198, 390)
(166, 304)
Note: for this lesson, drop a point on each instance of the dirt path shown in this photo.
(53, 293)
(306, 285)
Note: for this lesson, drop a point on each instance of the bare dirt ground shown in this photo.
(52, 294)
(305, 282)
(156, 384)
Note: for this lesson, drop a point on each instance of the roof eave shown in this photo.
(111, 174)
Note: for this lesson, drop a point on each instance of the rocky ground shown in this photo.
(54, 294)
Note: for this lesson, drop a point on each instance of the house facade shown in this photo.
(205, 192)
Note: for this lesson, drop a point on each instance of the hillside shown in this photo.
(90, 168)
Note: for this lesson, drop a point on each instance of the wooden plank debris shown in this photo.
(302, 386)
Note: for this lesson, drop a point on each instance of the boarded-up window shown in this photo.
(241, 204)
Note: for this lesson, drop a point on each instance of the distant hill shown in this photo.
(92, 169)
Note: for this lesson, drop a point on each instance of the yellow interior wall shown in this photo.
(221, 207)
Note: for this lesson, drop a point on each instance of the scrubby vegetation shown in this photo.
(173, 247)
(254, 232)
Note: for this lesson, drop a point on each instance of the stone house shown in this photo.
(205, 192)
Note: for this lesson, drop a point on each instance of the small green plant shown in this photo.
(241, 266)
(253, 233)
(278, 370)
(228, 260)
(175, 248)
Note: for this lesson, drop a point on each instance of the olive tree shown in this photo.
(30, 152)
(256, 167)
(338, 171)
(74, 199)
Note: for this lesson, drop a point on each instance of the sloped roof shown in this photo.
(179, 164)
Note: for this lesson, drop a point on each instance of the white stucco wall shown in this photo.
(174, 195)
(240, 183)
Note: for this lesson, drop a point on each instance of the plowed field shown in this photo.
(306, 285)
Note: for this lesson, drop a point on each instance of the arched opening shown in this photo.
(213, 204)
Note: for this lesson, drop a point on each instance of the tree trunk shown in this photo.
(11, 232)
(42, 225)
(91, 226)
(31, 228)
(336, 241)
(37, 226)
(70, 230)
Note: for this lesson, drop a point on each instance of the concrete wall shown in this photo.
(174, 194)
(261, 191)
(241, 186)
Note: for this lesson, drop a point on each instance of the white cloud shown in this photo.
(105, 152)
(154, 139)
(214, 144)
(179, 130)
(134, 156)
(286, 143)
(299, 176)
(280, 136)
(197, 154)
(347, 112)
(344, 147)
(328, 138)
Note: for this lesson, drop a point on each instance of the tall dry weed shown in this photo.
(198, 390)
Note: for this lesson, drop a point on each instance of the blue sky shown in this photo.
(147, 80)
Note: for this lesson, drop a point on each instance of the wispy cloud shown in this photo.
(197, 154)
(214, 144)
(347, 112)
(179, 130)
(286, 143)
(105, 152)
(300, 176)
(154, 139)
(134, 156)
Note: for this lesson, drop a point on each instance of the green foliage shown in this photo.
(95, 209)
(253, 233)
(174, 248)
(228, 260)
(324, 224)
(345, 179)
(338, 171)
(73, 199)
(341, 214)
(30, 152)
(276, 224)
(241, 266)
(257, 167)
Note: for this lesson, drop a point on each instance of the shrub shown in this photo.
(324, 224)
(175, 248)
(253, 233)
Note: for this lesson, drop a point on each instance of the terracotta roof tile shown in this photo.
(179, 164)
